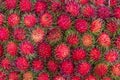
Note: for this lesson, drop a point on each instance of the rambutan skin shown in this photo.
(116, 69)
(37, 65)
(13, 76)
(52, 65)
(4, 34)
(43, 76)
(5, 63)
(10, 4)
(1, 18)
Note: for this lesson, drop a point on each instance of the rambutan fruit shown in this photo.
(28, 76)
(84, 68)
(90, 77)
(22, 63)
(26, 48)
(59, 77)
(78, 54)
(104, 40)
(12, 48)
(52, 66)
(75, 78)
(4, 34)
(46, 20)
(5, 63)
(81, 25)
(56, 6)
(1, 18)
(13, 76)
(64, 22)
(67, 67)
(25, 5)
(2, 75)
(62, 51)
(37, 65)
(106, 78)
(117, 12)
(44, 50)
(30, 20)
(83, 2)
(13, 19)
(43, 76)
(10, 4)
(116, 69)
(101, 69)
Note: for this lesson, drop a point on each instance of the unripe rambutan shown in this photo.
(40, 7)
(44, 50)
(96, 26)
(88, 11)
(28, 76)
(117, 12)
(54, 35)
(112, 26)
(13, 19)
(22, 63)
(4, 34)
(25, 5)
(19, 34)
(84, 68)
(103, 12)
(73, 8)
(1, 50)
(62, 51)
(116, 69)
(37, 65)
(13, 76)
(72, 39)
(12, 48)
(104, 40)
(26, 48)
(43, 76)
(81, 25)
(46, 20)
(78, 54)
(87, 40)
(101, 69)
(52, 65)
(30, 20)
(10, 4)
(111, 56)
(95, 54)
(5, 63)
(37, 35)
(90, 77)
(1, 18)
(75, 78)
(67, 67)
(64, 22)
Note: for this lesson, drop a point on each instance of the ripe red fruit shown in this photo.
(19, 34)
(12, 48)
(5, 63)
(117, 42)
(81, 25)
(2, 75)
(44, 50)
(113, 3)
(78, 54)
(106, 78)
(83, 2)
(1, 18)
(46, 20)
(67, 67)
(25, 5)
(43, 76)
(72, 39)
(62, 51)
(88, 11)
(75, 78)
(56, 6)
(116, 12)
(91, 77)
(59, 77)
(64, 22)
(99, 2)
(84, 68)
(111, 56)
(52, 66)
(37, 65)
(73, 8)
(30, 20)
(4, 34)
(101, 69)
(104, 40)
(96, 26)
(116, 69)
(54, 35)
(87, 40)
(10, 4)
(103, 12)
(112, 26)
(40, 7)
(26, 48)
(22, 63)
(37, 35)
(95, 54)
(13, 19)
(13, 76)
(1, 50)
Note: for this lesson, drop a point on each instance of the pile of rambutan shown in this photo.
(59, 39)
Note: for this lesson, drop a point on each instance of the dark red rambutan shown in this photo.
(4, 34)
(37, 65)
(43, 76)
(52, 65)
(10, 4)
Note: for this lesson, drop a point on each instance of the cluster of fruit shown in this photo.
(59, 39)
